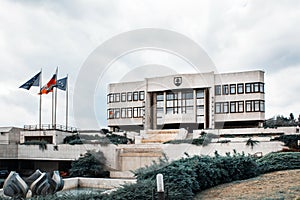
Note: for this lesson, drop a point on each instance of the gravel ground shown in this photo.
(283, 185)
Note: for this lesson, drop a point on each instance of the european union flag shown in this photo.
(34, 81)
(62, 83)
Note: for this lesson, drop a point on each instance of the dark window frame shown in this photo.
(135, 96)
(240, 85)
(116, 111)
(141, 95)
(117, 97)
(125, 111)
(123, 97)
(232, 88)
(218, 90)
(225, 89)
(129, 96)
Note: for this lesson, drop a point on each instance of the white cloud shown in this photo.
(238, 35)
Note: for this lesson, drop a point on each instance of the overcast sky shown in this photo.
(237, 35)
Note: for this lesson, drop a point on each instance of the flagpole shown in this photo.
(67, 102)
(55, 108)
(40, 110)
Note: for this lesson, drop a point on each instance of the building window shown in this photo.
(187, 95)
(240, 106)
(255, 106)
(237, 106)
(117, 113)
(232, 89)
(262, 87)
(135, 96)
(225, 107)
(240, 88)
(221, 107)
(256, 87)
(225, 89)
(160, 96)
(248, 87)
(200, 94)
(189, 109)
(262, 106)
(110, 113)
(141, 112)
(108, 98)
(159, 112)
(171, 96)
(123, 97)
(129, 112)
(117, 97)
(135, 112)
(111, 98)
(129, 96)
(232, 107)
(123, 112)
(200, 110)
(218, 108)
(218, 90)
(248, 106)
(142, 95)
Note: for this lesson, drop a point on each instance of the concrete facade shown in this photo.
(191, 101)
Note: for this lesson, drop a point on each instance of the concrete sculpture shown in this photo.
(39, 183)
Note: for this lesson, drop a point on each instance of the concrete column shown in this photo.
(212, 108)
(154, 111)
(165, 102)
(195, 106)
(148, 119)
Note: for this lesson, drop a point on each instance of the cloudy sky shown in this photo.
(237, 35)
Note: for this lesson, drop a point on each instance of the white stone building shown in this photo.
(191, 101)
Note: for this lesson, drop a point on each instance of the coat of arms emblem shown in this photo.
(177, 81)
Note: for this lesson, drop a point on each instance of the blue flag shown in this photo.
(34, 81)
(62, 83)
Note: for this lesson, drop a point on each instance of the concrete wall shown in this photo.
(174, 152)
(104, 183)
(8, 143)
(57, 136)
(67, 152)
(279, 130)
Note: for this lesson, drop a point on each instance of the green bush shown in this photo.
(86, 139)
(92, 164)
(288, 140)
(42, 144)
(279, 161)
(204, 140)
(187, 176)
(117, 139)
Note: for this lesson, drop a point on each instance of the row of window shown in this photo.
(239, 88)
(179, 110)
(123, 97)
(177, 95)
(239, 106)
(117, 113)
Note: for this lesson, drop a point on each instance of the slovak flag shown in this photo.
(49, 86)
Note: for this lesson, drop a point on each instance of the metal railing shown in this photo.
(50, 127)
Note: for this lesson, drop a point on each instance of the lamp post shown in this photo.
(160, 187)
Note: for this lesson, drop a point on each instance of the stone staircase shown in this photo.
(132, 157)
